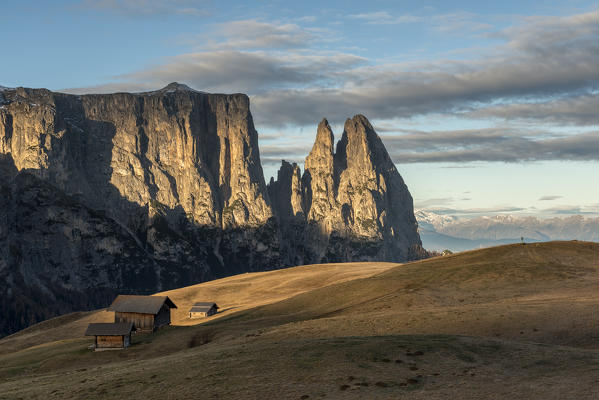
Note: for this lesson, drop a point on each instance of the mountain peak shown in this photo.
(353, 196)
(359, 125)
(324, 135)
(321, 155)
(178, 87)
(360, 119)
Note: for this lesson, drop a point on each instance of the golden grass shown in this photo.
(349, 331)
(232, 294)
(381, 367)
(241, 292)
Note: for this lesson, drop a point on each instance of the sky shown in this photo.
(485, 107)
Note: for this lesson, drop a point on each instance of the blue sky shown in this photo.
(486, 107)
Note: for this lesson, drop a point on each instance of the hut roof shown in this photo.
(109, 329)
(140, 304)
(204, 304)
(202, 307)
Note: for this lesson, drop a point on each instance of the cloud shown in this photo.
(549, 198)
(474, 145)
(306, 18)
(434, 202)
(475, 211)
(114, 87)
(383, 17)
(574, 110)
(147, 7)
(418, 140)
(235, 71)
(272, 154)
(542, 58)
(468, 146)
(528, 64)
(459, 22)
(464, 215)
(572, 210)
(253, 34)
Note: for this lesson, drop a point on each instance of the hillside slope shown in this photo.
(232, 294)
(516, 321)
(544, 292)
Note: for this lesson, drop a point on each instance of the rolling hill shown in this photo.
(515, 321)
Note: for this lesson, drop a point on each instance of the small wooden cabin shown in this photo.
(146, 313)
(110, 336)
(202, 309)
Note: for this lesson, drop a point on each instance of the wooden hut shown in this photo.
(147, 313)
(202, 309)
(110, 336)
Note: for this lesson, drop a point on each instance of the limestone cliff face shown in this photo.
(320, 191)
(136, 193)
(374, 200)
(174, 149)
(356, 205)
(128, 193)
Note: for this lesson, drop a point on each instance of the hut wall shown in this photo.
(163, 317)
(109, 341)
(197, 314)
(140, 321)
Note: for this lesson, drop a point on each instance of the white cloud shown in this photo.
(340, 84)
(383, 17)
(549, 198)
(511, 146)
(549, 58)
(576, 109)
(253, 34)
(147, 7)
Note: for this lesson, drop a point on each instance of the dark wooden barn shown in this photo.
(147, 313)
(110, 336)
(202, 309)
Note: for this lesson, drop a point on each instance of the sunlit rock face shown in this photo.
(127, 193)
(177, 148)
(142, 192)
(356, 205)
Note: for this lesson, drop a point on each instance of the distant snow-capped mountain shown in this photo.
(431, 221)
(440, 232)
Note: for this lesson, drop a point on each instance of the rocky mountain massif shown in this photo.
(349, 204)
(136, 193)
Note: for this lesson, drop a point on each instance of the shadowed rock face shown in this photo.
(137, 193)
(286, 192)
(357, 206)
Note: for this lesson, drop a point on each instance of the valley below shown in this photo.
(515, 321)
